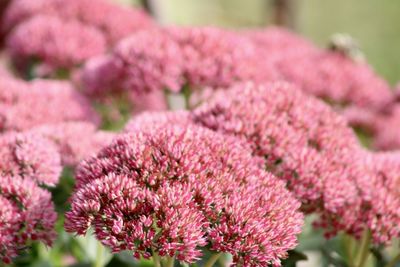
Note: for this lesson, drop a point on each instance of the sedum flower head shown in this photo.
(114, 21)
(302, 140)
(24, 105)
(214, 57)
(54, 42)
(171, 58)
(75, 140)
(148, 120)
(331, 75)
(29, 156)
(26, 214)
(143, 62)
(380, 196)
(174, 189)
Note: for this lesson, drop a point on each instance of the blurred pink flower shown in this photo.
(338, 79)
(175, 189)
(114, 21)
(387, 129)
(332, 76)
(24, 105)
(302, 140)
(171, 58)
(53, 42)
(75, 140)
(26, 214)
(152, 101)
(31, 157)
(148, 120)
(381, 196)
(144, 62)
(215, 57)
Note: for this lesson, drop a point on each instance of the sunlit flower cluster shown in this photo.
(173, 189)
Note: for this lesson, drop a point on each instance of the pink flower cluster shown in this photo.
(54, 110)
(147, 120)
(113, 20)
(75, 141)
(146, 61)
(24, 105)
(303, 141)
(331, 75)
(64, 34)
(29, 156)
(381, 204)
(175, 189)
(173, 57)
(27, 215)
(56, 43)
(382, 128)
(26, 210)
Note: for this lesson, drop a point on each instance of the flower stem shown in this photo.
(348, 245)
(170, 262)
(212, 260)
(186, 94)
(156, 259)
(364, 249)
(393, 262)
(99, 255)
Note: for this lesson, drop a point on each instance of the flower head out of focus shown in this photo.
(56, 44)
(24, 105)
(75, 141)
(302, 140)
(61, 35)
(29, 156)
(114, 21)
(26, 214)
(174, 189)
(26, 210)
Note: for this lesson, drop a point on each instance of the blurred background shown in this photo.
(374, 24)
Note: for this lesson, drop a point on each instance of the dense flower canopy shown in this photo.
(26, 210)
(54, 43)
(174, 189)
(114, 21)
(145, 61)
(147, 120)
(171, 58)
(26, 214)
(381, 196)
(331, 75)
(301, 139)
(272, 132)
(29, 156)
(24, 105)
(75, 140)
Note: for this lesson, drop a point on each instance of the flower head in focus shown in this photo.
(174, 189)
